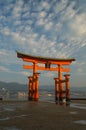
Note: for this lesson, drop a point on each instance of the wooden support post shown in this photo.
(30, 88)
(34, 79)
(61, 88)
(67, 76)
(56, 90)
(34, 83)
(36, 86)
(34, 67)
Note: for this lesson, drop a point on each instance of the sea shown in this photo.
(45, 94)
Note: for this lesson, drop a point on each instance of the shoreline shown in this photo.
(42, 115)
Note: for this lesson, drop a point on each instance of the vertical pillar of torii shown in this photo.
(36, 95)
(67, 76)
(34, 84)
(61, 88)
(33, 87)
(30, 88)
(56, 90)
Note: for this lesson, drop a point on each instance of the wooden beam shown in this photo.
(51, 62)
(46, 69)
(28, 60)
(28, 67)
(65, 69)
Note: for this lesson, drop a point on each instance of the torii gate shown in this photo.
(60, 93)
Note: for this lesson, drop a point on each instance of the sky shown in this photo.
(50, 28)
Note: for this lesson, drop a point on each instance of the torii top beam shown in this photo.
(44, 60)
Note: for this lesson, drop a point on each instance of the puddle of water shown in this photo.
(80, 106)
(83, 122)
(20, 116)
(11, 128)
(7, 118)
(9, 109)
(73, 112)
(4, 119)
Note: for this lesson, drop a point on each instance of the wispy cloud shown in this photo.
(49, 74)
(7, 70)
(80, 67)
(8, 57)
(2, 68)
(25, 73)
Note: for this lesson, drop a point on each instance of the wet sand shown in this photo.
(24, 115)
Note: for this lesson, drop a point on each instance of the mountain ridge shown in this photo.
(13, 85)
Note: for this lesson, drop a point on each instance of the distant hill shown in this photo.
(18, 86)
(13, 86)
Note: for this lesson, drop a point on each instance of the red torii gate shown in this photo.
(60, 93)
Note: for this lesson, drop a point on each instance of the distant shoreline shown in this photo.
(78, 99)
(15, 100)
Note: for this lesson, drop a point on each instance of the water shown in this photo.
(44, 94)
(78, 92)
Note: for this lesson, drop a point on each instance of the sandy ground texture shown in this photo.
(20, 115)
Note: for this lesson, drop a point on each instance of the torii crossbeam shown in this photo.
(33, 80)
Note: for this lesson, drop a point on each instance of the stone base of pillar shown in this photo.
(30, 99)
(56, 100)
(62, 100)
(36, 99)
(67, 101)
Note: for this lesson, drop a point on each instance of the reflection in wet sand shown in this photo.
(73, 112)
(8, 118)
(80, 106)
(11, 128)
(4, 119)
(11, 107)
(83, 122)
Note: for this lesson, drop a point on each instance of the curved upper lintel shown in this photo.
(44, 60)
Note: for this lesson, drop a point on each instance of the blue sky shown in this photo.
(50, 28)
